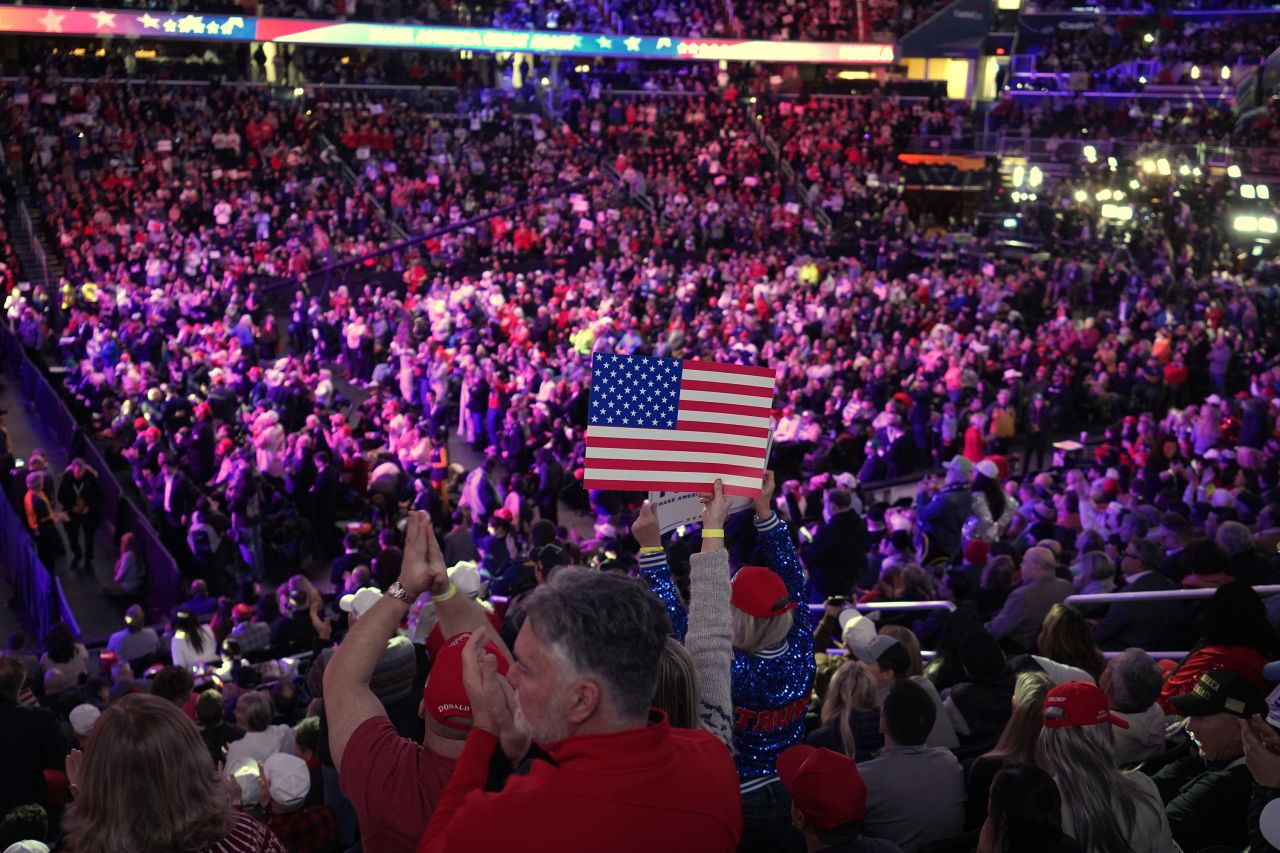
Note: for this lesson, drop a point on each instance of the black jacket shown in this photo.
(837, 556)
(30, 743)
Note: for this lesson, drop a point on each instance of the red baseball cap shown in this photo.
(444, 696)
(1078, 703)
(824, 785)
(757, 591)
(976, 552)
(242, 611)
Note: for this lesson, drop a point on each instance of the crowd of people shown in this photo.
(386, 645)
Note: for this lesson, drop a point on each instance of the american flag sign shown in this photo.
(675, 425)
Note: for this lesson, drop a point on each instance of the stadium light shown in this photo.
(1195, 72)
(1090, 153)
(1163, 166)
(1184, 170)
(1148, 38)
(1233, 171)
(1133, 184)
(1226, 72)
(1035, 177)
(1245, 223)
(1121, 212)
(1081, 195)
(1264, 191)
(1266, 224)
(1010, 223)
(1148, 166)
(1019, 174)
(1246, 191)
(1111, 161)
(1103, 195)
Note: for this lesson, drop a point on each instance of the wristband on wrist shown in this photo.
(650, 549)
(713, 533)
(447, 594)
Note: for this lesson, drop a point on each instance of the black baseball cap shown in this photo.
(1221, 691)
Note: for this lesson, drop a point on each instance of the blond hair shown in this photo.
(753, 634)
(678, 692)
(147, 784)
(851, 689)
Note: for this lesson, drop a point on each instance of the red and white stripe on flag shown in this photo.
(662, 424)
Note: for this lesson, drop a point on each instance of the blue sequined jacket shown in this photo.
(771, 689)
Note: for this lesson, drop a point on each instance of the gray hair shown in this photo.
(606, 626)
(257, 710)
(1132, 681)
(1234, 537)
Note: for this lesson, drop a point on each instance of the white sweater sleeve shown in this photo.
(709, 640)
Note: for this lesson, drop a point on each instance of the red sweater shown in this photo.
(637, 791)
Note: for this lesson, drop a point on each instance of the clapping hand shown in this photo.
(423, 568)
(1261, 751)
(493, 699)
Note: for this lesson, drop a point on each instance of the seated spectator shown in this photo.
(1141, 624)
(1024, 812)
(828, 800)
(1244, 563)
(669, 788)
(284, 786)
(888, 661)
(215, 731)
(137, 641)
(66, 654)
(979, 706)
(1206, 794)
(82, 718)
(128, 577)
(1019, 744)
(850, 714)
(248, 634)
(1107, 809)
(1022, 615)
(1065, 639)
(915, 793)
(193, 642)
(174, 684)
(1132, 682)
(200, 603)
(1235, 635)
(143, 731)
(261, 739)
(29, 739)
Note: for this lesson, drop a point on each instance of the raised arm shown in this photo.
(348, 701)
(780, 555)
(656, 571)
(709, 641)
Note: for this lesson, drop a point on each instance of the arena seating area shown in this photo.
(319, 358)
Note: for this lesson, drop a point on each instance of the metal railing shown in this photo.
(898, 606)
(1158, 595)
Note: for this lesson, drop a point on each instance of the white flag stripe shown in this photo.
(731, 378)
(631, 433)
(760, 403)
(721, 418)
(669, 477)
(600, 455)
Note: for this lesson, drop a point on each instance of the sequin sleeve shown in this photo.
(657, 575)
(780, 555)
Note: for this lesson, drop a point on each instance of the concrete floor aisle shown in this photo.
(96, 616)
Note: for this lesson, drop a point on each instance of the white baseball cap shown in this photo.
(82, 719)
(856, 629)
(465, 575)
(358, 603)
(288, 778)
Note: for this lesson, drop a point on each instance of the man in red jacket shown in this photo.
(607, 772)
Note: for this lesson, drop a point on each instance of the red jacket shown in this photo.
(637, 791)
